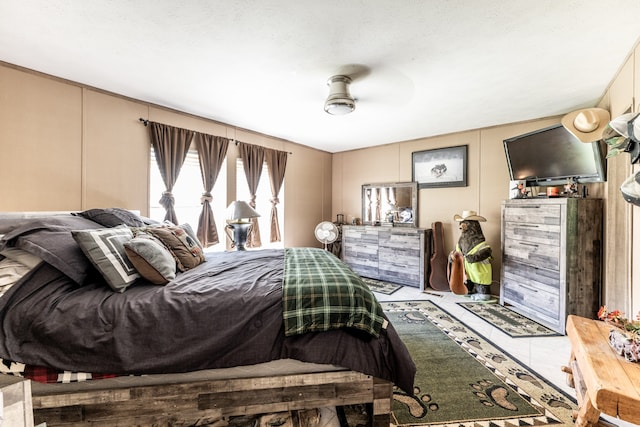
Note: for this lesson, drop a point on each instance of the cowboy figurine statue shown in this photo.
(476, 253)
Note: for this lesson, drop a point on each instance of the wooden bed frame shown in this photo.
(110, 403)
(191, 399)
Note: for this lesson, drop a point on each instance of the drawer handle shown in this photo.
(533, 245)
(529, 287)
(529, 225)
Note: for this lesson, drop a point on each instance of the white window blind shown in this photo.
(187, 192)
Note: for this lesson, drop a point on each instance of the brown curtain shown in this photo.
(171, 145)
(211, 152)
(252, 159)
(276, 164)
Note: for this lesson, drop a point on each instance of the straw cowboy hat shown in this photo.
(587, 124)
(469, 216)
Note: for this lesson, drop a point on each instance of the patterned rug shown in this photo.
(380, 286)
(464, 380)
(509, 322)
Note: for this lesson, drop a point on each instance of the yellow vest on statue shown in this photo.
(478, 272)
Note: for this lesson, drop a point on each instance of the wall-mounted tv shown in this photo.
(550, 156)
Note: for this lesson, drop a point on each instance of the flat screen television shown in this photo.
(550, 156)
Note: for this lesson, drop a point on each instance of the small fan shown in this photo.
(326, 232)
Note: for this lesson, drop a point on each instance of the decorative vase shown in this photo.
(624, 346)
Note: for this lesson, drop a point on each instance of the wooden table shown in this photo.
(604, 381)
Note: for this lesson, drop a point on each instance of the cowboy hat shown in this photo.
(586, 124)
(469, 216)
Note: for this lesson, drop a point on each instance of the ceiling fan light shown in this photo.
(339, 101)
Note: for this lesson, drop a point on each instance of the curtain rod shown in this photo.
(146, 122)
(238, 142)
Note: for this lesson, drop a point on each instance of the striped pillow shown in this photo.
(105, 249)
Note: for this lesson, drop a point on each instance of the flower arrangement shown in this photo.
(625, 337)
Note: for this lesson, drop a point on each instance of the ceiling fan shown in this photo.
(386, 87)
(340, 101)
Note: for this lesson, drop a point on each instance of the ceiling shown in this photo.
(420, 67)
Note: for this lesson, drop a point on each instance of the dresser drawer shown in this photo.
(548, 234)
(360, 235)
(538, 304)
(539, 278)
(400, 265)
(539, 255)
(533, 214)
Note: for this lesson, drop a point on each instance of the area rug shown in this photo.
(464, 380)
(386, 288)
(508, 321)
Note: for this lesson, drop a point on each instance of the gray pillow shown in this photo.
(105, 249)
(112, 217)
(50, 240)
(151, 259)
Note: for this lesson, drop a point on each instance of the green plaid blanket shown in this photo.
(320, 293)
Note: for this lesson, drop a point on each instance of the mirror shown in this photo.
(393, 204)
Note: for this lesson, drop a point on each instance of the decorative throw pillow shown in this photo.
(182, 243)
(105, 249)
(151, 259)
(112, 217)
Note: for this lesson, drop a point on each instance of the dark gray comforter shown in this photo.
(226, 312)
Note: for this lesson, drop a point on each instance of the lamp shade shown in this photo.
(240, 210)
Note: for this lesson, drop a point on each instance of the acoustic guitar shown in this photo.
(439, 260)
(455, 274)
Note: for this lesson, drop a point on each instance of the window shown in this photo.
(187, 192)
(263, 203)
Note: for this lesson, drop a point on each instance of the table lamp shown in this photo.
(239, 215)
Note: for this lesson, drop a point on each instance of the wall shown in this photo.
(65, 146)
(622, 281)
(487, 180)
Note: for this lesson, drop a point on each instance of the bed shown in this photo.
(228, 334)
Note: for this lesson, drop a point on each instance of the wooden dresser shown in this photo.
(392, 254)
(552, 258)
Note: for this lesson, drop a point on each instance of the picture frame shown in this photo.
(440, 167)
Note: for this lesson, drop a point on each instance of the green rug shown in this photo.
(464, 380)
(509, 322)
(386, 288)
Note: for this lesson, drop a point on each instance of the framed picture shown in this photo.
(441, 167)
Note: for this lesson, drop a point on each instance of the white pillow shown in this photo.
(23, 257)
(10, 272)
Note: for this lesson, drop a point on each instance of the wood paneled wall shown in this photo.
(65, 146)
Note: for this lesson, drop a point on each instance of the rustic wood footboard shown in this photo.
(211, 402)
